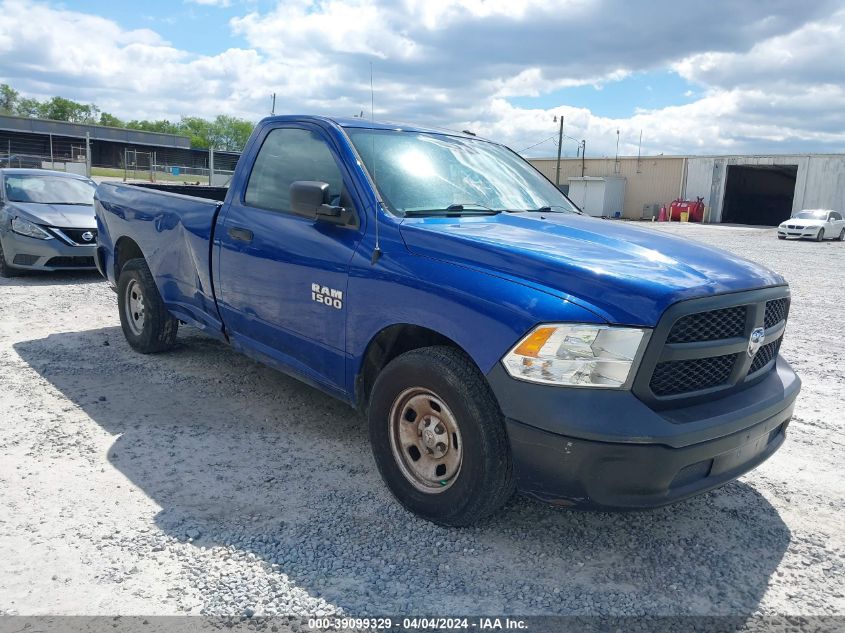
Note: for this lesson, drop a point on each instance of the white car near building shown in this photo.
(815, 224)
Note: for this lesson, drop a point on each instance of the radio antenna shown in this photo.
(377, 249)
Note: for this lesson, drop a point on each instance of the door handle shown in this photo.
(242, 235)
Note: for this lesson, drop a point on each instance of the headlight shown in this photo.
(25, 227)
(577, 355)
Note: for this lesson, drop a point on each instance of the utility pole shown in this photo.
(210, 166)
(88, 154)
(639, 151)
(559, 147)
(616, 166)
(273, 107)
(583, 153)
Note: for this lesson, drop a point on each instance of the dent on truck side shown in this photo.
(172, 232)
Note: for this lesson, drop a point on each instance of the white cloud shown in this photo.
(213, 3)
(767, 78)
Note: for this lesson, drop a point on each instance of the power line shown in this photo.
(551, 138)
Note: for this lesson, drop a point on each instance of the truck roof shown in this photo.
(355, 122)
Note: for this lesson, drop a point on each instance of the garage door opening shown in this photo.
(759, 194)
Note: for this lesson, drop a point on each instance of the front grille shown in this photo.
(74, 236)
(684, 376)
(699, 349)
(709, 326)
(764, 355)
(71, 262)
(776, 311)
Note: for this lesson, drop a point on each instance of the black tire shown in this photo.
(781, 237)
(484, 480)
(151, 329)
(842, 235)
(6, 270)
(820, 235)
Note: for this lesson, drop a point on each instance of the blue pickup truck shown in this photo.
(495, 337)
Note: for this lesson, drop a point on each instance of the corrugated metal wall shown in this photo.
(820, 180)
(821, 184)
(654, 179)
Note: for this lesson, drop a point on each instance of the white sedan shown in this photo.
(815, 224)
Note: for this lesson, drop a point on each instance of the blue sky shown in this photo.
(194, 27)
(715, 77)
(649, 90)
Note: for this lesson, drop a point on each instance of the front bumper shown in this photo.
(807, 233)
(29, 253)
(603, 449)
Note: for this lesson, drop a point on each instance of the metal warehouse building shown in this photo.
(763, 190)
(59, 141)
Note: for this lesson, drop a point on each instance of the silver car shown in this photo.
(46, 221)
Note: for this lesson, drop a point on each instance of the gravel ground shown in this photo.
(198, 481)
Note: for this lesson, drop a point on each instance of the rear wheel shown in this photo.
(146, 323)
(438, 437)
(5, 269)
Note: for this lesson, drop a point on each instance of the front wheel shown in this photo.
(438, 437)
(146, 323)
(820, 235)
(842, 235)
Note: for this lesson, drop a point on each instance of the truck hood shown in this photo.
(625, 274)
(63, 216)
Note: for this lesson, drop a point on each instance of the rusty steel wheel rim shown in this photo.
(425, 440)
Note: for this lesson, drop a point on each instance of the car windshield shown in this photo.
(420, 173)
(49, 189)
(811, 215)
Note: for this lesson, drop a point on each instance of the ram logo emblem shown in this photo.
(758, 336)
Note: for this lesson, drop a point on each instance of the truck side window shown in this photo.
(288, 155)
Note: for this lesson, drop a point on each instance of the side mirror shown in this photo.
(310, 198)
(306, 196)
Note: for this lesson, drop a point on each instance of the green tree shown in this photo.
(163, 125)
(230, 133)
(61, 109)
(8, 99)
(28, 107)
(198, 130)
(110, 120)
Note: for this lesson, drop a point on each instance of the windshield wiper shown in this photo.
(454, 210)
(549, 209)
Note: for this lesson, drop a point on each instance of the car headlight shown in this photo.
(25, 227)
(575, 355)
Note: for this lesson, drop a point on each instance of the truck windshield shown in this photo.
(49, 190)
(419, 173)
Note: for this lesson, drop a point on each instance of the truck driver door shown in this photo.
(283, 277)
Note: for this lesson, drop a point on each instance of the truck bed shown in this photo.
(174, 232)
(197, 191)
